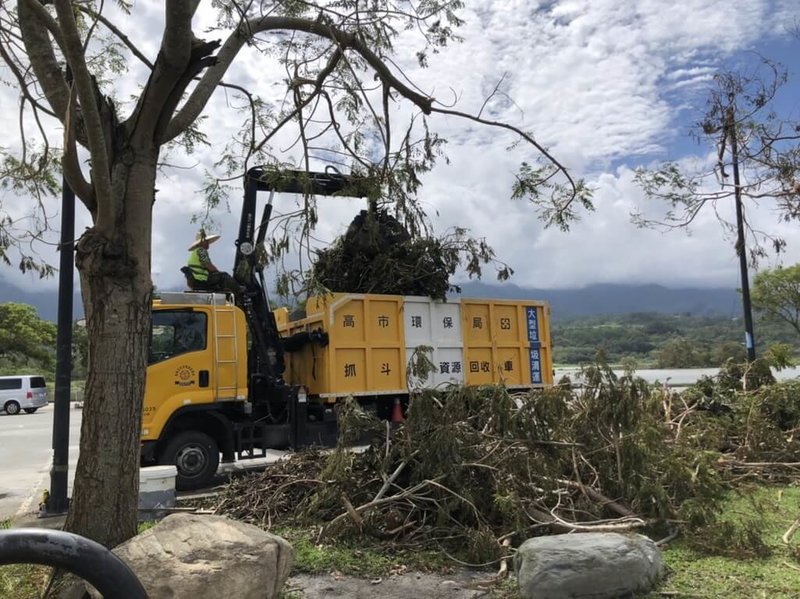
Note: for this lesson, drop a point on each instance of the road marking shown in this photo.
(25, 508)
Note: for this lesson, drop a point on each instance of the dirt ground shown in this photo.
(410, 585)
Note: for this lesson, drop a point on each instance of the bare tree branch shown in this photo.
(333, 61)
(117, 32)
(176, 43)
(38, 8)
(41, 54)
(90, 111)
(23, 82)
(72, 168)
(541, 149)
(202, 93)
(168, 72)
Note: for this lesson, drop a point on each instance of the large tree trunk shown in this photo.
(117, 290)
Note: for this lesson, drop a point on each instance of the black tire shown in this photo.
(11, 408)
(195, 455)
(30, 410)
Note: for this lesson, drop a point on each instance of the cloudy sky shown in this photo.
(607, 85)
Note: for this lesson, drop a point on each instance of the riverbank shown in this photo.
(672, 377)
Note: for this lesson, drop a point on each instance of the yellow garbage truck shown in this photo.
(230, 377)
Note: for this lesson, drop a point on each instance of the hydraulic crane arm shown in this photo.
(283, 181)
(266, 339)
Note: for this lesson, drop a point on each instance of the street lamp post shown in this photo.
(57, 501)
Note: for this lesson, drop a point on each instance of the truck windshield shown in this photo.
(176, 332)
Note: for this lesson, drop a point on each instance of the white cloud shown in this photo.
(600, 82)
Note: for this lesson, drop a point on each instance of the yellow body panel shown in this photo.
(175, 381)
(281, 316)
(499, 347)
(365, 353)
(501, 341)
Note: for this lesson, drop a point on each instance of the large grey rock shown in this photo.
(208, 557)
(587, 566)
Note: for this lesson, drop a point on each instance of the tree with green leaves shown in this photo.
(680, 352)
(741, 125)
(25, 337)
(756, 159)
(341, 90)
(776, 295)
(80, 350)
(727, 350)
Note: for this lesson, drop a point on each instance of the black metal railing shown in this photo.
(80, 556)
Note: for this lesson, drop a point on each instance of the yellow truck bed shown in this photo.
(373, 338)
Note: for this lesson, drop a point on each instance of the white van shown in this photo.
(24, 392)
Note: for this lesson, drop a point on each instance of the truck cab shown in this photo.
(202, 399)
(215, 381)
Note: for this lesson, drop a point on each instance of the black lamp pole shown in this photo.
(57, 502)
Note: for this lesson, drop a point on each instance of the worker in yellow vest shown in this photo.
(203, 270)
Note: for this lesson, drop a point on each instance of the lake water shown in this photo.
(677, 377)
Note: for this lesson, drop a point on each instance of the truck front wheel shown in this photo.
(196, 456)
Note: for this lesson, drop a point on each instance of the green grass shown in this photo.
(740, 557)
(354, 558)
(360, 560)
(732, 569)
(723, 562)
(26, 581)
(146, 525)
(21, 581)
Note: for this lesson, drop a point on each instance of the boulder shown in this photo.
(198, 557)
(587, 566)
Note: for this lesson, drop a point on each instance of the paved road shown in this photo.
(26, 452)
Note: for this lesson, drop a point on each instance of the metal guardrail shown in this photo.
(80, 556)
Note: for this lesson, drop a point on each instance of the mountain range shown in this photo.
(564, 303)
(611, 298)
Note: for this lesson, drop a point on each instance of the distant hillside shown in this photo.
(565, 303)
(45, 301)
(617, 299)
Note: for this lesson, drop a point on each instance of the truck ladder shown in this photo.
(225, 309)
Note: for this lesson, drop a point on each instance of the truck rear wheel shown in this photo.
(195, 455)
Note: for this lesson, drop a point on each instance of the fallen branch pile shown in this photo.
(474, 467)
(378, 255)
